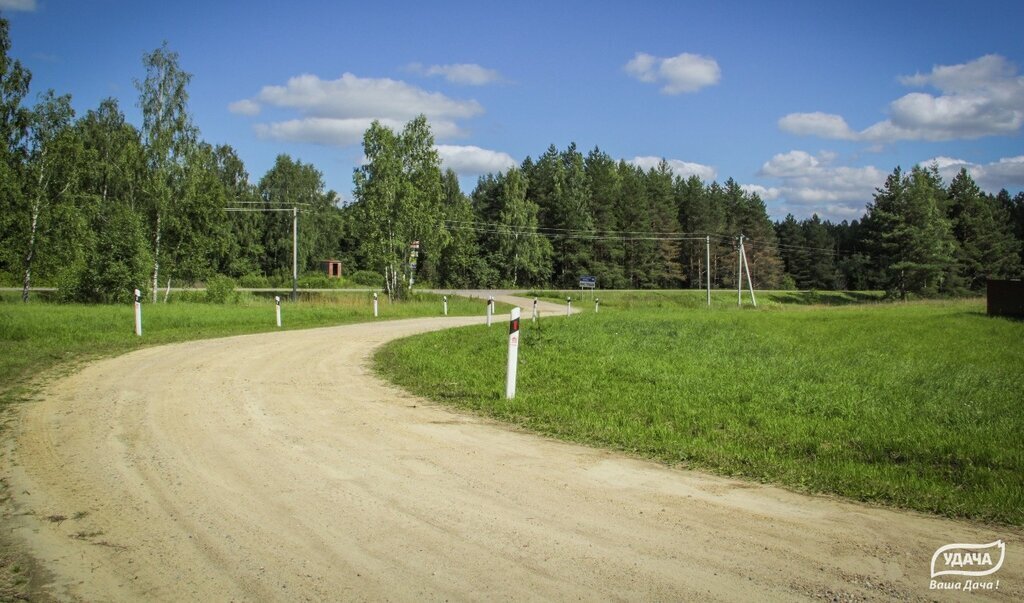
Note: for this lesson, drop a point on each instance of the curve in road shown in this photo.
(277, 467)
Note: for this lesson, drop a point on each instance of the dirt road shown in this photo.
(276, 467)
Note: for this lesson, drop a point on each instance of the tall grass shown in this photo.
(40, 336)
(918, 405)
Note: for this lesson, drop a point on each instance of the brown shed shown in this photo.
(331, 267)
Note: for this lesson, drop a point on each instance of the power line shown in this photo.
(583, 234)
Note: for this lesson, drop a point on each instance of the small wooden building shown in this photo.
(331, 267)
(1005, 298)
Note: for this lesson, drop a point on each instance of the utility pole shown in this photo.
(295, 253)
(746, 264)
(739, 274)
(707, 265)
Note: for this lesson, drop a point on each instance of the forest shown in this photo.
(97, 206)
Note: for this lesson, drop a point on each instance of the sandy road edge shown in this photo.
(22, 575)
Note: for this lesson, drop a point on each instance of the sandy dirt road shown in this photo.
(276, 467)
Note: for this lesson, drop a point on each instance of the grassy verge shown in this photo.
(694, 298)
(917, 405)
(39, 336)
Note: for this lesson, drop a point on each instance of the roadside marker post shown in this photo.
(513, 354)
(445, 298)
(375, 305)
(138, 313)
(488, 312)
(597, 304)
(568, 306)
(277, 302)
(535, 309)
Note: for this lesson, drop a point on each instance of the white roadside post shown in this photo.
(277, 302)
(535, 309)
(375, 305)
(138, 313)
(445, 298)
(568, 306)
(597, 304)
(513, 354)
(488, 312)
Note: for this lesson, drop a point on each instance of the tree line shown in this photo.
(98, 206)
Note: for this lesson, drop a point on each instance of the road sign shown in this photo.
(588, 282)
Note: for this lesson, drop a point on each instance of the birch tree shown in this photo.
(168, 135)
(50, 118)
(399, 199)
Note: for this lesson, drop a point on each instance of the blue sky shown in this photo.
(811, 104)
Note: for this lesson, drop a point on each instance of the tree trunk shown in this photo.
(156, 259)
(30, 255)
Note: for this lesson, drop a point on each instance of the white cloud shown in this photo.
(824, 125)
(352, 97)
(983, 97)
(472, 160)
(1008, 172)
(337, 112)
(682, 73)
(23, 5)
(643, 67)
(682, 169)
(244, 107)
(469, 74)
(765, 192)
(339, 132)
(807, 184)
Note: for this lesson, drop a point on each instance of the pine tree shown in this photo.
(988, 248)
(910, 238)
(664, 221)
(605, 187)
(821, 267)
(794, 257)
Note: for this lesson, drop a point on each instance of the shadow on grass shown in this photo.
(825, 298)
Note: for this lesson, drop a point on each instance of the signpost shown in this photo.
(138, 313)
(588, 282)
(414, 252)
(513, 354)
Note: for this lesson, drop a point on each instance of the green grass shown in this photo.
(916, 405)
(693, 298)
(40, 336)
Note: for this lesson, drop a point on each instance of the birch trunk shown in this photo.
(30, 255)
(156, 260)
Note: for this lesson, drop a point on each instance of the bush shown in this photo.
(315, 281)
(254, 281)
(367, 278)
(220, 290)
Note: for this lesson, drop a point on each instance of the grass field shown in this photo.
(39, 336)
(918, 405)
